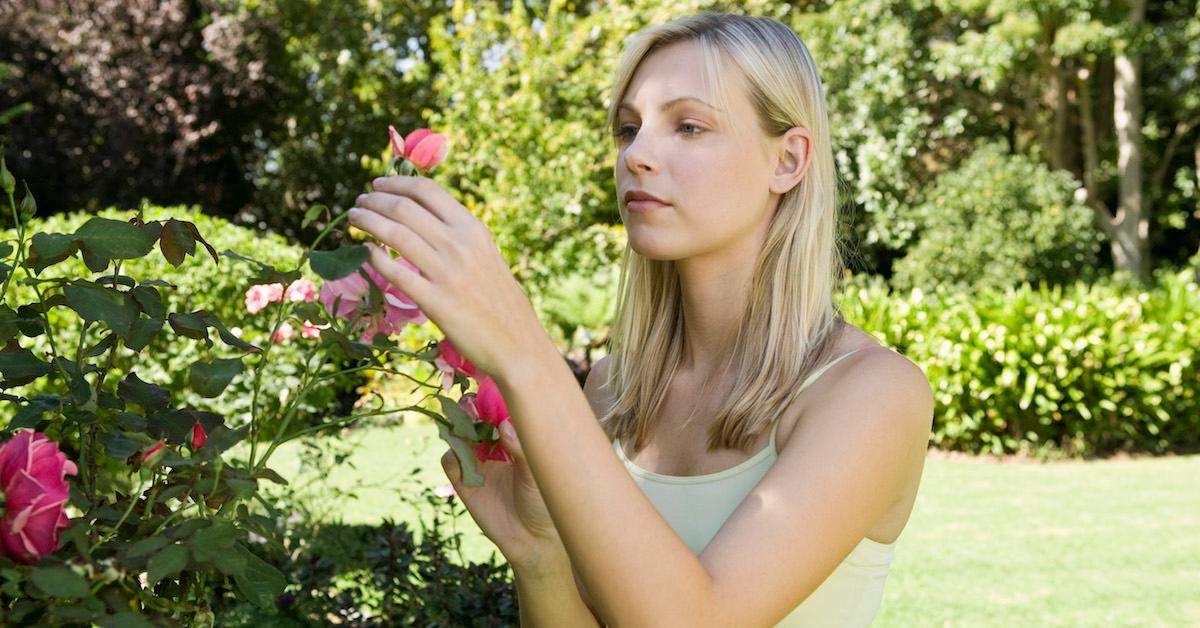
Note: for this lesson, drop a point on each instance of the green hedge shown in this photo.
(200, 284)
(1066, 370)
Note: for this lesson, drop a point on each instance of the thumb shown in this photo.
(512, 444)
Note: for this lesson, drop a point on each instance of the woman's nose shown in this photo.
(637, 155)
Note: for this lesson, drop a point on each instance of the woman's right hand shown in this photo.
(509, 506)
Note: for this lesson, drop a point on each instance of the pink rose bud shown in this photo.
(450, 362)
(153, 450)
(33, 477)
(396, 141)
(490, 404)
(429, 152)
(199, 437)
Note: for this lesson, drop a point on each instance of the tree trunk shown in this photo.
(1131, 226)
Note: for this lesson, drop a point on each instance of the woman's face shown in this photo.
(711, 168)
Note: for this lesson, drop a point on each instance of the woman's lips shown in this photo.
(641, 207)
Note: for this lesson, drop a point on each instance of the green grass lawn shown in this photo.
(1113, 543)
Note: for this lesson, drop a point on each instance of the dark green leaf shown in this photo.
(270, 474)
(150, 300)
(142, 333)
(261, 583)
(124, 619)
(190, 326)
(99, 348)
(6, 249)
(118, 445)
(20, 366)
(168, 562)
(169, 423)
(48, 249)
(114, 239)
(339, 262)
(102, 304)
(31, 414)
(209, 379)
(148, 545)
(131, 421)
(214, 542)
(227, 336)
(195, 233)
(60, 582)
(149, 396)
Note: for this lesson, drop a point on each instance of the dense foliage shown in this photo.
(1053, 370)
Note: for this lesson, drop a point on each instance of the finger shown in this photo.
(452, 470)
(407, 212)
(429, 194)
(412, 284)
(401, 239)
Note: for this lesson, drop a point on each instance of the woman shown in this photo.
(756, 457)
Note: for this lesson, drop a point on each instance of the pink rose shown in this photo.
(490, 404)
(33, 475)
(450, 362)
(301, 290)
(257, 297)
(427, 151)
(351, 294)
(312, 330)
(491, 451)
(285, 332)
(199, 437)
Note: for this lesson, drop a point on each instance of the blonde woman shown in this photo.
(743, 456)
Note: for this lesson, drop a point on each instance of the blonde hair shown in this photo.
(790, 316)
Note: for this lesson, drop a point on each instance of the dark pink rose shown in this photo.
(450, 362)
(490, 404)
(354, 292)
(33, 475)
(428, 152)
(491, 451)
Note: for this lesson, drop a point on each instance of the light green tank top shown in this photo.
(697, 505)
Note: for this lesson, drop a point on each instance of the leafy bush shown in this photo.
(1057, 370)
(200, 284)
(999, 220)
(381, 575)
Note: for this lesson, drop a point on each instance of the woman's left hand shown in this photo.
(465, 285)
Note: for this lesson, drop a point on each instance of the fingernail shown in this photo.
(507, 429)
(360, 199)
(376, 182)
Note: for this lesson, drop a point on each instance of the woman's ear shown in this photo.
(794, 153)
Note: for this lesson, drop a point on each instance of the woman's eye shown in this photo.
(626, 132)
(690, 129)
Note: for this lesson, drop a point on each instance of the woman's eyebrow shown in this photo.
(674, 102)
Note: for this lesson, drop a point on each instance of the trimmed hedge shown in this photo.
(1077, 370)
(200, 284)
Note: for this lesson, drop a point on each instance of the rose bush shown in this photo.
(167, 494)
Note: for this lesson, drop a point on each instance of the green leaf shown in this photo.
(465, 452)
(261, 583)
(60, 582)
(150, 299)
(190, 325)
(214, 542)
(124, 619)
(149, 396)
(227, 336)
(142, 333)
(113, 239)
(168, 562)
(209, 379)
(94, 303)
(311, 215)
(464, 426)
(118, 445)
(7, 182)
(146, 546)
(20, 366)
(339, 262)
(48, 249)
(270, 474)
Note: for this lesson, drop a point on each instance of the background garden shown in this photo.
(1021, 197)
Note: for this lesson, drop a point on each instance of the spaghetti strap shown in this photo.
(808, 380)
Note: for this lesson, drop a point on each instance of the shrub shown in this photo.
(999, 220)
(1080, 369)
